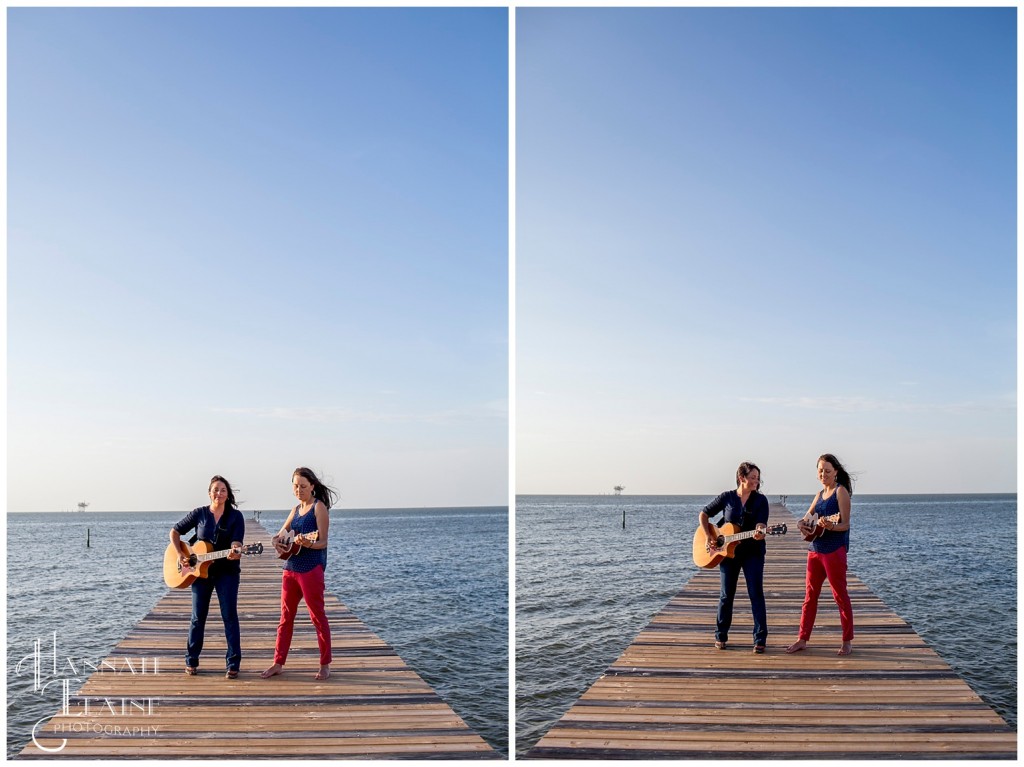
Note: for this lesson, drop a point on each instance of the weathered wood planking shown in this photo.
(673, 695)
(373, 705)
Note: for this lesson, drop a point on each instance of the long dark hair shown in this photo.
(842, 475)
(744, 471)
(326, 495)
(231, 504)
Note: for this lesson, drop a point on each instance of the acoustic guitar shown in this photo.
(727, 538)
(816, 529)
(200, 555)
(291, 541)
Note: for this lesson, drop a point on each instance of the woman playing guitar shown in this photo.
(303, 575)
(222, 525)
(748, 509)
(826, 557)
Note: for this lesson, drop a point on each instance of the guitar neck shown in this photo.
(739, 536)
(212, 555)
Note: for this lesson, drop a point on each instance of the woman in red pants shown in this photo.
(827, 555)
(303, 576)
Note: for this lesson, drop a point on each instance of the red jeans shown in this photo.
(833, 567)
(308, 586)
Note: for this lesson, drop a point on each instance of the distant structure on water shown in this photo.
(619, 489)
(82, 505)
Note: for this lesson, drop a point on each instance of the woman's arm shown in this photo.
(843, 497)
(237, 535)
(705, 523)
(176, 542)
(761, 518)
(284, 528)
(803, 524)
(707, 512)
(189, 521)
(814, 502)
(323, 521)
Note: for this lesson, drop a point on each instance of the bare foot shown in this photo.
(323, 673)
(846, 649)
(274, 670)
(797, 646)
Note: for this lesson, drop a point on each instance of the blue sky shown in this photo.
(765, 234)
(245, 240)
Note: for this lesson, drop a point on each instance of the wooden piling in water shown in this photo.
(671, 694)
(373, 705)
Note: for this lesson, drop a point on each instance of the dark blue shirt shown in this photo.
(231, 528)
(755, 513)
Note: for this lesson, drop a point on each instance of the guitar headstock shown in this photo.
(253, 549)
(777, 529)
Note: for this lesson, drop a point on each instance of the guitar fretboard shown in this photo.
(739, 536)
(212, 555)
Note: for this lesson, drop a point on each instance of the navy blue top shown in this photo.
(755, 513)
(231, 528)
(830, 540)
(307, 558)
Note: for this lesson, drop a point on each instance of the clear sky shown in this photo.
(765, 234)
(246, 240)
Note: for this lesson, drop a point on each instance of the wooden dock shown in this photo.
(673, 695)
(144, 706)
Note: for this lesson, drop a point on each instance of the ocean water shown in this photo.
(433, 583)
(585, 586)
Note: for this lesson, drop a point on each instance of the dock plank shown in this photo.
(671, 694)
(141, 705)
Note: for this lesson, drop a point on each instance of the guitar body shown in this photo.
(293, 543)
(704, 558)
(178, 577)
(291, 552)
(817, 530)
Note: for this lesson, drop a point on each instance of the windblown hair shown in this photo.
(842, 475)
(744, 471)
(328, 496)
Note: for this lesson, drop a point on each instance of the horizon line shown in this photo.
(767, 495)
(264, 509)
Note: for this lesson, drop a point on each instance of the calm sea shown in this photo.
(433, 583)
(585, 587)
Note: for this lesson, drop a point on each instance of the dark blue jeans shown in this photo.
(752, 566)
(226, 586)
